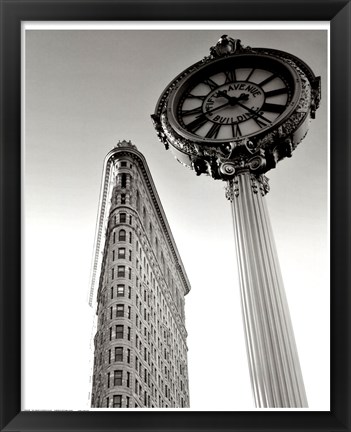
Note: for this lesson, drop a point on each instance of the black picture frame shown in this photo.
(13, 13)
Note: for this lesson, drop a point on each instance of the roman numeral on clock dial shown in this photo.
(274, 108)
(192, 96)
(210, 83)
(249, 76)
(197, 123)
(213, 132)
(193, 111)
(230, 76)
(236, 130)
(276, 92)
(262, 121)
(267, 80)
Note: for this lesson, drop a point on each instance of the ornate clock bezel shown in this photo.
(259, 152)
(178, 90)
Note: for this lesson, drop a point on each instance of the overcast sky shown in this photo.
(85, 91)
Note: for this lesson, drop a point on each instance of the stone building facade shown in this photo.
(140, 348)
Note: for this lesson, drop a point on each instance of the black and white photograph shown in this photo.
(176, 195)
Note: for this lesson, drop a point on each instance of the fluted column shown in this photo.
(273, 360)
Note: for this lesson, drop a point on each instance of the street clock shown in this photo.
(239, 108)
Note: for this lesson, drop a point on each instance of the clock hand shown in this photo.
(215, 109)
(233, 99)
(257, 114)
(224, 94)
(201, 119)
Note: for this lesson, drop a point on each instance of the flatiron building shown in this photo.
(138, 289)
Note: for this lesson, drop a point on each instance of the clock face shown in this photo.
(232, 98)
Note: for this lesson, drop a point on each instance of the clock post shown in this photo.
(234, 115)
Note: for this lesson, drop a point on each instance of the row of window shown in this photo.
(122, 217)
(125, 311)
(120, 291)
(119, 332)
(121, 254)
(119, 354)
(122, 236)
(121, 272)
(118, 378)
(116, 401)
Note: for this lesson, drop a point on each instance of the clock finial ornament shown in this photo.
(226, 46)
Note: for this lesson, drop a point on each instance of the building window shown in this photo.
(123, 198)
(117, 378)
(108, 402)
(123, 218)
(118, 354)
(129, 312)
(144, 217)
(121, 253)
(108, 380)
(113, 255)
(109, 355)
(123, 164)
(128, 355)
(129, 292)
(130, 255)
(120, 310)
(112, 292)
(127, 404)
(121, 271)
(130, 220)
(128, 334)
(162, 264)
(117, 401)
(122, 235)
(120, 291)
(114, 237)
(123, 180)
(128, 379)
(138, 201)
(110, 333)
(119, 332)
(130, 238)
(129, 273)
(112, 273)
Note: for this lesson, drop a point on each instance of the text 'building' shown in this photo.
(140, 349)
